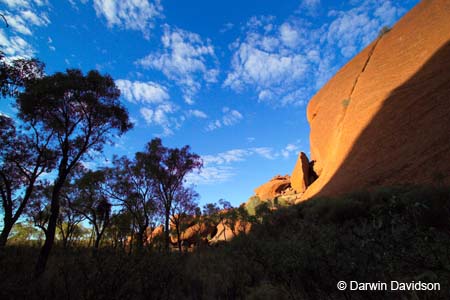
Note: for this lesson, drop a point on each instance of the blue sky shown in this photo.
(230, 78)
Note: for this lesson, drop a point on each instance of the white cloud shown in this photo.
(217, 168)
(186, 59)
(265, 60)
(265, 152)
(226, 27)
(230, 117)
(221, 167)
(211, 175)
(142, 92)
(162, 115)
(33, 19)
(357, 27)
(15, 46)
(50, 44)
(289, 35)
(197, 113)
(226, 157)
(286, 62)
(130, 14)
(289, 149)
(310, 5)
(15, 3)
(23, 16)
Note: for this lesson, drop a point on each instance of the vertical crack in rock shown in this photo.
(347, 102)
(369, 56)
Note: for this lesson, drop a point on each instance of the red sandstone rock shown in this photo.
(224, 232)
(300, 175)
(158, 232)
(394, 127)
(273, 188)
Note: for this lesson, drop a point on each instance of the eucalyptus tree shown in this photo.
(82, 112)
(184, 207)
(69, 220)
(14, 73)
(90, 200)
(24, 156)
(133, 186)
(169, 167)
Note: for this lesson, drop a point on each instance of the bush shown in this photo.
(297, 252)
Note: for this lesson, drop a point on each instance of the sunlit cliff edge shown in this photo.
(384, 118)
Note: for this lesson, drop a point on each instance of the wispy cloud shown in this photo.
(309, 6)
(226, 157)
(196, 113)
(23, 17)
(226, 27)
(130, 14)
(211, 175)
(163, 116)
(221, 167)
(217, 168)
(142, 92)
(286, 62)
(186, 59)
(229, 117)
(15, 46)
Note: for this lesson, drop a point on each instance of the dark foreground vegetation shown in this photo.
(298, 252)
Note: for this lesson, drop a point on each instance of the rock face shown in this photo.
(195, 233)
(155, 234)
(273, 188)
(300, 176)
(384, 118)
(224, 232)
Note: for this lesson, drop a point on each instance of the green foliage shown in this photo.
(24, 233)
(384, 30)
(251, 205)
(345, 103)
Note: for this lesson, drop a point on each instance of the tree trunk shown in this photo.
(5, 233)
(179, 238)
(97, 241)
(167, 232)
(9, 218)
(140, 239)
(51, 229)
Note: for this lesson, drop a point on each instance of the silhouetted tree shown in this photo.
(14, 74)
(168, 168)
(82, 112)
(183, 208)
(38, 210)
(24, 156)
(120, 228)
(132, 184)
(68, 221)
(91, 202)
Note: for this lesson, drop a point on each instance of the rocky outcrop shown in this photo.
(195, 233)
(383, 119)
(154, 235)
(303, 174)
(273, 188)
(224, 232)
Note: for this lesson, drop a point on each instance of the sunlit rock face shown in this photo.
(384, 118)
(303, 174)
(224, 232)
(273, 188)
